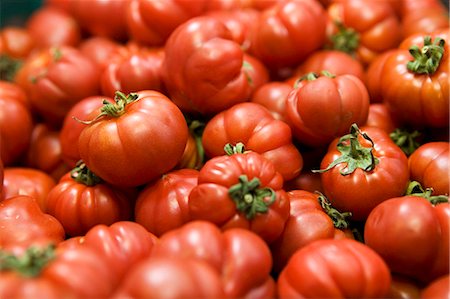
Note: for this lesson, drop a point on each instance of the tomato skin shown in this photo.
(380, 117)
(283, 26)
(323, 269)
(241, 257)
(133, 68)
(27, 181)
(16, 123)
(174, 277)
(272, 95)
(163, 204)
(439, 288)
(423, 17)
(401, 223)
(80, 207)
(212, 64)
(403, 288)
(361, 191)
(210, 201)
(321, 109)
(71, 128)
(429, 165)
(125, 160)
(52, 27)
(151, 23)
(254, 126)
(16, 42)
(427, 95)
(62, 76)
(23, 223)
(99, 49)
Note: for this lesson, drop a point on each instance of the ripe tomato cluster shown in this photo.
(225, 149)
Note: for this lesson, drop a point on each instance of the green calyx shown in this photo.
(416, 189)
(339, 219)
(353, 153)
(249, 198)
(82, 174)
(114, 109)
(230, 149)
(345, 39)
(9, 67)
(247, 67)
(428, 58)
(406, 140)
(30, 264)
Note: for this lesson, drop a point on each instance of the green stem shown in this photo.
(30, 264)
(249, 198)
(83, 175)
(406, 140)
(345, 39)
(353, 153)
(9, 67)
(428, 58)
(238, 148)
(339, 219)
(416, 189)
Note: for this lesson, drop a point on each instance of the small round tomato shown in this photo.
(135, 140)
(429, 165)
(324, 268)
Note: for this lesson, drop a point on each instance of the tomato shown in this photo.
(282, 27)
(23, 223)
(99, 49)
(27, 181)
(306, 180)
(399, 224)
(151, 23)
(308, 222)
(241, 190)
(273, 95)
(52, 27)
(254, 126)
(44, 152)
(80, 200)
(323, 107)
(374, 72)
(172, 277)
(16, 123)
(429, 165)
(380, 117)
(123, 244)
(45, 271)
(423, 16)
(324, 268)
(16, 42)
(212, 64)
(242, 259)
(57, 78)
(133, 68)
(365, 35)
(163, 204)
(403, 288)
(362, 169)
(439, 288)
(335, 62)
(72, 126)
(416, 92)
(135, 140)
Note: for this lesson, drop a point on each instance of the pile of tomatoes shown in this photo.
(225, 149)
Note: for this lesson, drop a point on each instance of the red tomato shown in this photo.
(424, 16)
(324, 268)
(417, 92)
(53, 27)
(163, 204)
(132, 68)
(308, 222)
(380, 117)
(55, 79)
(282, 27)
(273, 95)
(254, 126)
(365, 35)
(241, 190)
(170, 277)
(242, 259)
(16, 123)
(411, 235)
(135, 140)
(72, 127)
(374, 74)
(151, 23)
(211, 64)
(23, 223)
(429, 165)
(99, 49)
(44, 152)
(322, 107)
(439, 288)
(16, 42)
(363, 169)
(306, 180)
(27, 181)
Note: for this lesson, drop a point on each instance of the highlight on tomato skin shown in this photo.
(224, 149)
